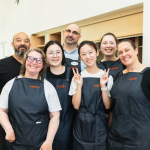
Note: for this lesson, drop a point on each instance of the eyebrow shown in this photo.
(25, 38)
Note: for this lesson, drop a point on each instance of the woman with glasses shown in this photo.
(60, 77)
(29, 107)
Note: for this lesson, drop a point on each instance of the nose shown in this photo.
(34, 61)
(70, 34)
(22, 42)
(87, 55)
(108, 45)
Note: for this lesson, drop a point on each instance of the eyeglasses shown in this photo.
(58, 53)
(73, 32)
(31, 59)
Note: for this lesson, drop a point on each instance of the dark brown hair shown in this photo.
(129, 41)
(109, 33)
(57, 43)
(87, 43)
(23, 67)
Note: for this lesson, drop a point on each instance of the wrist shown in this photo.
(103, 86)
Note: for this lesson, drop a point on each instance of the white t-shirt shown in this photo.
(50, 94)
(84, 73)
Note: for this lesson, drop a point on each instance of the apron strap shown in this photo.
(144, 69)
(68, 73)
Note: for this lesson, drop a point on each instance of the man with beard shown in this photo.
(72, 34)
(10, 66)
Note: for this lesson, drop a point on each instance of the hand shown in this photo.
(10, 136)
(104, 78)
(77, 78)
(46, 146)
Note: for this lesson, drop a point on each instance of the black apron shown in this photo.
(130, 127)
(73, 63)
(28, 114)
(90, 129)
(62, 138)
(114, 67)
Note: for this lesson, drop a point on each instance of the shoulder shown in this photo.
(146, 76)
(6, 60)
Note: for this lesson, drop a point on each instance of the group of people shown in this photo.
(61, 98)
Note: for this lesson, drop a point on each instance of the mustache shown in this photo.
(70, 37)
(22, 46)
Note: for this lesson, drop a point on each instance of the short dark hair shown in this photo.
(109, 33)
(129, 41)
(52, 42)
(87, 43)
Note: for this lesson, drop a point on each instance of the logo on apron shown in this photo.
(74, 63)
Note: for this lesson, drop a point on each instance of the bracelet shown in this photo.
(104, 89)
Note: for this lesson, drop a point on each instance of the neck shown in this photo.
(136, 67)
(69, 48)
(19, 59)
(109, 58)
(57, 70)
(93, 69)
(31, 76)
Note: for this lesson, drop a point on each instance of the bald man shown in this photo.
(72, 35)
(10, 66)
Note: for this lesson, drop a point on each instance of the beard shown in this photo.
(70, 42)
(20, 52)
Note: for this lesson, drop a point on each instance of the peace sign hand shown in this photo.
(77, 78)
(104, 78)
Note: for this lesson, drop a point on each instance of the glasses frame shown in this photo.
(55, 53)
(34, 59)
(73, 32)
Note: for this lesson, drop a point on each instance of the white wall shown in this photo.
(33, 16)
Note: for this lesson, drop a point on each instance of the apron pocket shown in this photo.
(30, 134)
(84, 127)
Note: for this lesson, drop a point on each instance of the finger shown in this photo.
(107, 71)
(77, 70)
(73, 71)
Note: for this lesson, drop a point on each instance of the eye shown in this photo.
(119, 53)
(58, 52)
(74, 32)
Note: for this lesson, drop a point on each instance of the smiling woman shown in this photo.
(131, 102)
(91, 97)
(60, 76)
(30, 116)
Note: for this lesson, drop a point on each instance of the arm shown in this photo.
(106, 99)
(52, 129)
(76, 99)
(4, 121)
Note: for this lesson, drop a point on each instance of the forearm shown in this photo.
(76, 99)
(106, 99)
(52, 129)
(4, 121)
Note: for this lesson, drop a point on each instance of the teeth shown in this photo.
(126, 59)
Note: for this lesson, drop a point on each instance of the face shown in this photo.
(108, 45)
(72, 34)
(88, 55)
(54, 55)
(21, 43)
(127, 54)
(32, 67)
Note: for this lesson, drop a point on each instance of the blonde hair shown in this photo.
(23, 67)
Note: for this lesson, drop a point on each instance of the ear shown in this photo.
(97, 53)
(12, 44)
(136, 51)
(79, 37)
